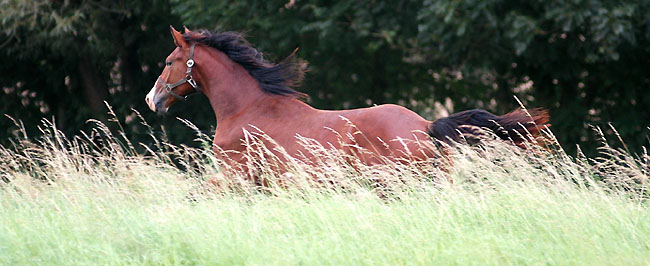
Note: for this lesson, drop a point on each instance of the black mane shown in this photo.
(273, 78)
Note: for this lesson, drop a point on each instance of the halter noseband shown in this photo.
(188, 78)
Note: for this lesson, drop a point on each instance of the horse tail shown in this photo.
(518, 125)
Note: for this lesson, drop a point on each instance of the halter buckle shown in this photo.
(192, 83)
(190, 63)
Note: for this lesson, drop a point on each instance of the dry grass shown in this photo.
(94, 199)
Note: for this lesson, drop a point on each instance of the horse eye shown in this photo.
(168, 63)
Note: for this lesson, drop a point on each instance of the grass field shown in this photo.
(77, 202)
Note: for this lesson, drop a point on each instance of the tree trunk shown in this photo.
(129, 66)
(95, 90)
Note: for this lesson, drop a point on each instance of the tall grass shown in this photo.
(94, 199)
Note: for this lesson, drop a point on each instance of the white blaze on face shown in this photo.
(150, 97)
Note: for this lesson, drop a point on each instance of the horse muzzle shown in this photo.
(155, 102)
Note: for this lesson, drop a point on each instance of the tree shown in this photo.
(63, 59)
(585, 60)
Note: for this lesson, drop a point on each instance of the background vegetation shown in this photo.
(94, 188)
(584, 60)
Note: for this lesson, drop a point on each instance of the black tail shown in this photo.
(516, 125)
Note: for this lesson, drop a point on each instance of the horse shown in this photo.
(249, 93)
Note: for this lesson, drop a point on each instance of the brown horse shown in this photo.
(247, 93)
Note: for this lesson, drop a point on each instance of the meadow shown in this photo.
(98, 199)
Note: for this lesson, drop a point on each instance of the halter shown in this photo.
(188, 78)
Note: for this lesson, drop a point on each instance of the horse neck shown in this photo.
(232, 91)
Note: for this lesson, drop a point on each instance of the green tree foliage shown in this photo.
(63, 59)
(584, 60)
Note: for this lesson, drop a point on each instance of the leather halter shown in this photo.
(188, 78)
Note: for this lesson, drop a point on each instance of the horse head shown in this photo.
(176, 81)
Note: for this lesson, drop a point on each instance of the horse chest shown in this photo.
(228, 141)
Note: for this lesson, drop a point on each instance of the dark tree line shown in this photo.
(584, 60)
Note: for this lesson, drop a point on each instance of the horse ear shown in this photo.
(186, 30)
(179, 40)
